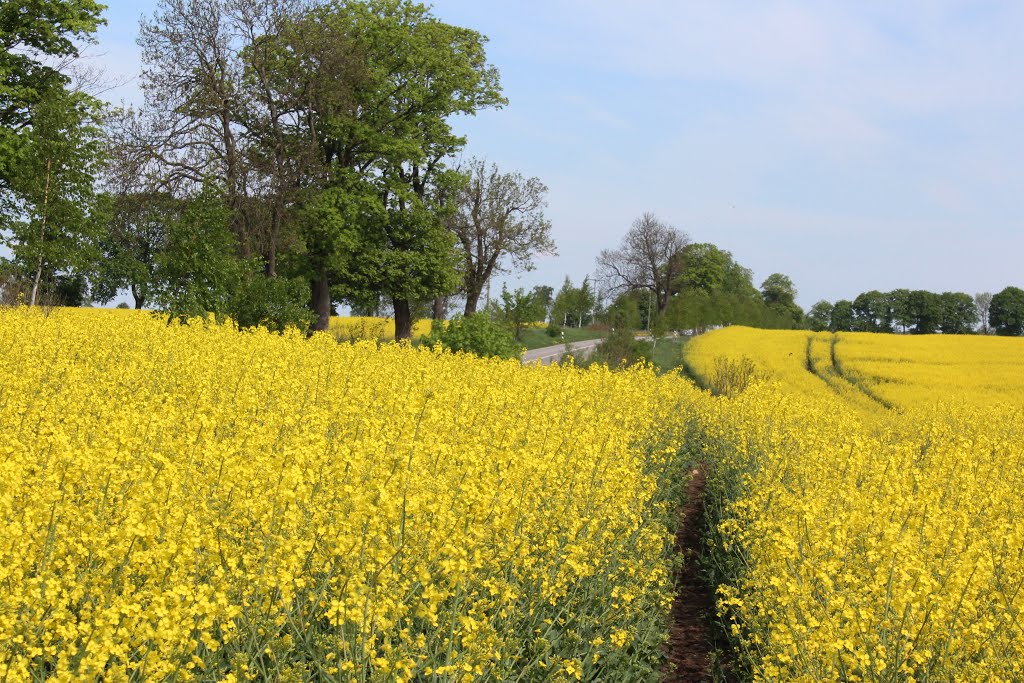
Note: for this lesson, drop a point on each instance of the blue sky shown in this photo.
(851, 146)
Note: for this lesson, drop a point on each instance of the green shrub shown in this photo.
(274, 303)
(622, 348)
(477, 334)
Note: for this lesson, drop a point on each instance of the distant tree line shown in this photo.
(659, 280)
(923, 312)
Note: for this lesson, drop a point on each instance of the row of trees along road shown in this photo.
(288, 156)
(923, 312)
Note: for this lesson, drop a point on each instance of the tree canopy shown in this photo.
(39, 40)
(500, 225)
(1006, 312)
(900, 310)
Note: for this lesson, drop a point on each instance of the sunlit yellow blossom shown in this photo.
(191, 502)
(868, 491)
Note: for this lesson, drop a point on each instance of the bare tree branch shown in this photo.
(649, 258)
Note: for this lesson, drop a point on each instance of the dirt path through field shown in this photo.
(690, 640)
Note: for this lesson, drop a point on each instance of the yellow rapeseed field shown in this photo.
(191, 502)
(866, 532)
(356, 328)
(911, 371)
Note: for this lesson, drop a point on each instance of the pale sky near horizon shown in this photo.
(852, 146)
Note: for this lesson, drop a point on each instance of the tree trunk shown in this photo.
(663, 297)
(139, 294)
(472, 300)
(322, 303)
(270, 266)
(35, 283)
(439, 308)
(42, 232)
(403, 319)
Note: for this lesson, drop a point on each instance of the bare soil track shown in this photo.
(690, 639)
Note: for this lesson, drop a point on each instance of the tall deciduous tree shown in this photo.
(842, 316)
(198, 272)
(819, 318)
(37, 41)
(899, 304)
(385, 135)
(1006, 313)
(714, 290)
(925, 310)
(872, 312)
(650, 258)
(54, 208)
(982, 303)
(214, 106)
(131, 241)
(49, 141)
(410, 255)
(779, 295)
(959, 316)
(500, 225)
(328, 125)
(705, 267)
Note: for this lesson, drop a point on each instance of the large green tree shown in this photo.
(197, 270)
(842, 319)
(959, 315)
(779, 295)
(50, 149)
(327, 125)
(705, 267)
(925, 311)
(713, 289)
(873, 312)
(38, 40)
(53, 215)
(131, 242)
(1006, 312)
(819, 318)
(899, 304)
(410, 256)
(384, 127)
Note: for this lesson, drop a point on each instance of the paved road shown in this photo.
(549, 354)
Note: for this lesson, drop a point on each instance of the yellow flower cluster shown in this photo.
(859, 543)
(191, 502)
(380, 329)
